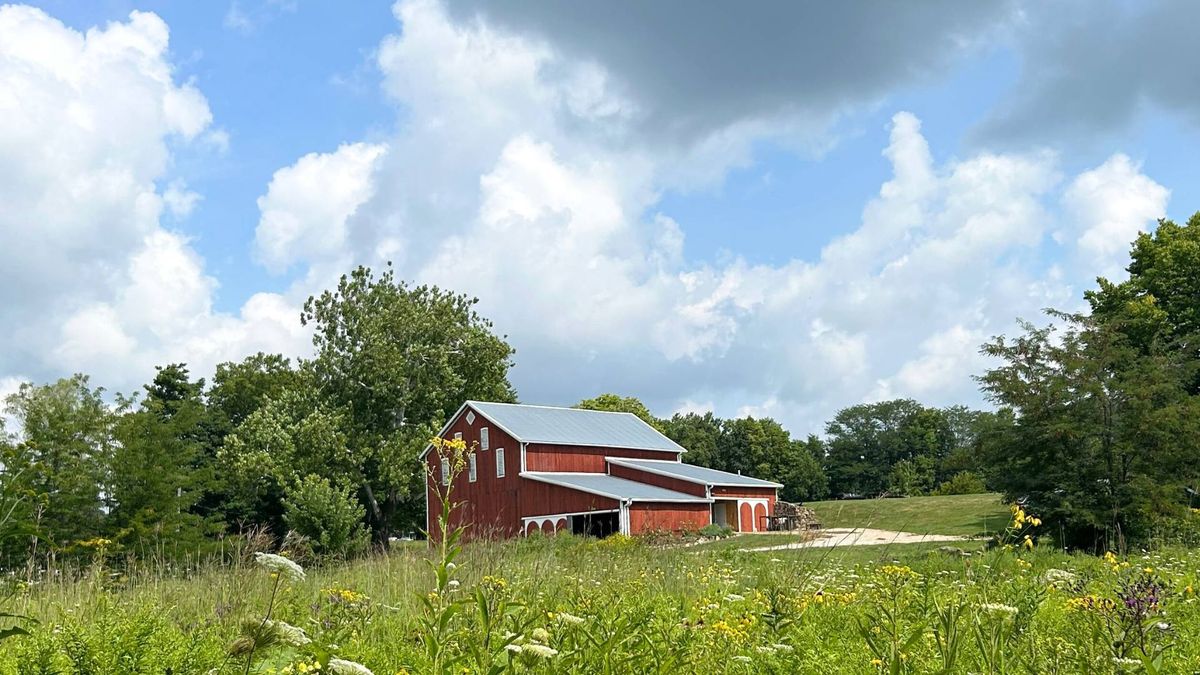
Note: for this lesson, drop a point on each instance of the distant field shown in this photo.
(958, 514)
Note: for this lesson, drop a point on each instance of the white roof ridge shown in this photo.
(557, 407)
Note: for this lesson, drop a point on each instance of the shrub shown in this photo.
(618, 541)
(714, 530)
(1178, 530)
(962, 483)
(330, 517)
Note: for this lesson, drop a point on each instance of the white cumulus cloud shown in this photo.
(90, 279)
(1109, 205)
(503, 183)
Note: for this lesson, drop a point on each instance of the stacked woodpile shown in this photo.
(789, 516)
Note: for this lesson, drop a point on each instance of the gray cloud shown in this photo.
(693, 67)
(1090, 68)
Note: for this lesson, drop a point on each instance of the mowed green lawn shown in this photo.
(981, 514)
(969, 515)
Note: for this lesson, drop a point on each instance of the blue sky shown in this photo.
(780, 210)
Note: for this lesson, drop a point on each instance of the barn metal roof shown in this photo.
(571, 426)
(692, 473)
(605, 485)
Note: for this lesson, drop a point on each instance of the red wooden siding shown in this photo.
(543, 499)
(667, 482)
(657, 517)
(541, 457)
(489, 504)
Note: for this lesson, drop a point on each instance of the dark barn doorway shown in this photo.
(596, 524)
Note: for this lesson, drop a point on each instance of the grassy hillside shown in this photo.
(958, 514)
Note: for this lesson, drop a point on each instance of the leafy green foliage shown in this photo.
(279, 444)
(1157, 303)
(330, 518)
(395, 361)
(239, 389)
(758, 447)
(1100, 438)
(615, 403)
(962, 483)
(61, 457)
(159, 468)
(900, 446)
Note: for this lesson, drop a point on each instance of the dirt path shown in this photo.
(861, 536)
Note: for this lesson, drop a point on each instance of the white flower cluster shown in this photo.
(538, 647)
(570, 618)
(281, 565)
(344, 667)
(288, 634)
(1056, 577)
(541, 651)
(995, 608)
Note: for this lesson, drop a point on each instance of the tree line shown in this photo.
(899, 447)
(1096, 426)
(326, 447)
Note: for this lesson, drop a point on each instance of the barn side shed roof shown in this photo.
(613, 487)
(692, 473)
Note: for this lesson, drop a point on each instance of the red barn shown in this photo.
(583, 471)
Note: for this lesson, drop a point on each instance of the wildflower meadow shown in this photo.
(623, 605)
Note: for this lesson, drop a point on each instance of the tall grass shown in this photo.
(622, 606)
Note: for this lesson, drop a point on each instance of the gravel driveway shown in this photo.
(861, 536)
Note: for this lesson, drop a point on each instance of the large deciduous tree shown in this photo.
(239, 388)
(699, 433)
(62, 457)
(396, 360)
(1102, 435)
(279, 445)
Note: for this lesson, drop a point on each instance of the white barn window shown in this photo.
(471, 476)
(484, 440)
(445, 471)
(499, 462)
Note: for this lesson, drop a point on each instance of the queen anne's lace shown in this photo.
(289, 634)
(281, 565)
(539, 650)
(344, 667)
